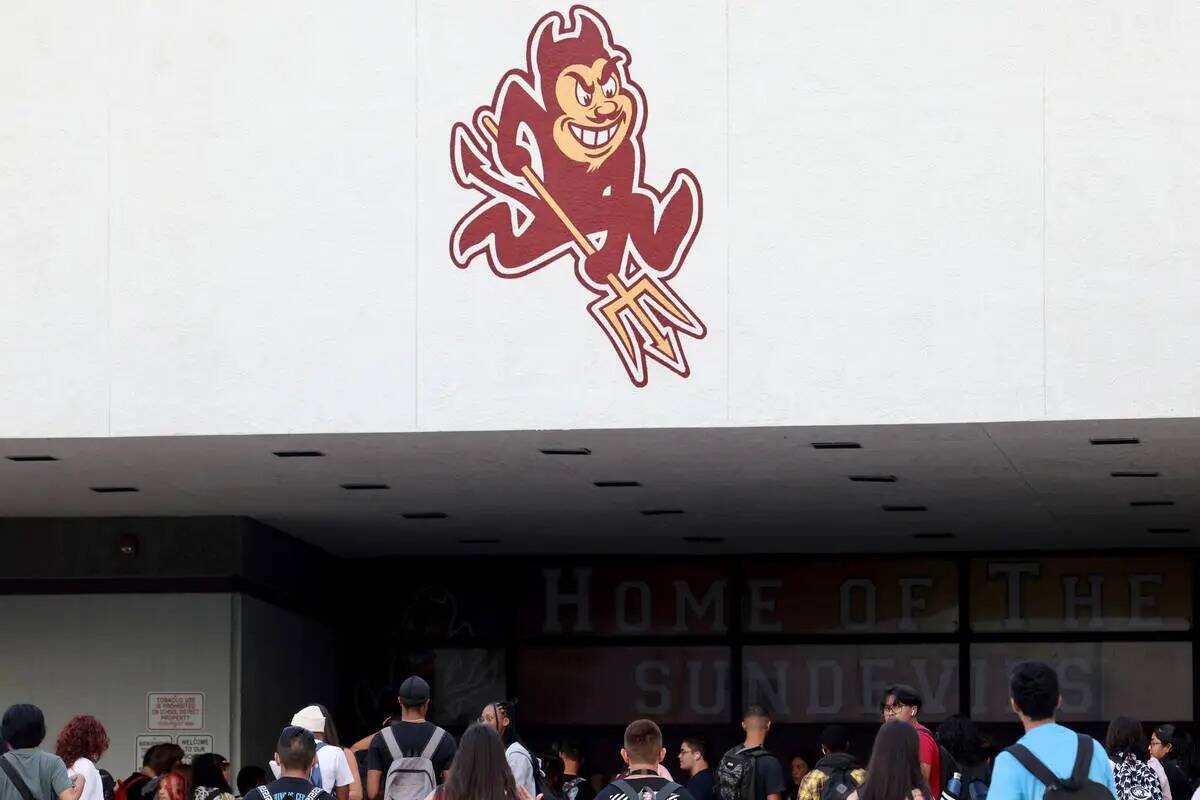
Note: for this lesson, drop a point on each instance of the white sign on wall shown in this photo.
(176, 711)
(145, 742)
(194, 744)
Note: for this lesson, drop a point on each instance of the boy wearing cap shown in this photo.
(409, 737)
(296, 754)
(332, 769)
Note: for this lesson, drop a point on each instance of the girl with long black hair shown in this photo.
(501, 717)
(210, 777)
(895, 769)
(480, 770)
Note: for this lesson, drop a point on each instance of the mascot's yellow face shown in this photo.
(597, 112)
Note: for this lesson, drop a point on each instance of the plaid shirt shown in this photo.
(814, 783)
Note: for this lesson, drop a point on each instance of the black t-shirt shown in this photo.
(288, 789)
(702, 784)
(768, 777)
(412, 737)
(583, 788)
(646, 787)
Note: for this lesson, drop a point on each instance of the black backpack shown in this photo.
(735, 776)
(839, 784)
(668, 790)
(1078, 786)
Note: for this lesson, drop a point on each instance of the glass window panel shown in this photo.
(845, 683)
(1097, 680)
(613, 685)
(462, 680)
(853, 596)
(1151, 593)
(628, 598)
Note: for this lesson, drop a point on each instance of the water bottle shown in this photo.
(953, 787)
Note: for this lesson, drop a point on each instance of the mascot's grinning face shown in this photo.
(597, 112)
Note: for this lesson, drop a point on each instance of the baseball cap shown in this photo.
(414, 691)
(310, 718)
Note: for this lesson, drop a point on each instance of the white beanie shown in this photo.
(310, 718)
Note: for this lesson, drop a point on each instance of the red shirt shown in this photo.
(931, 755)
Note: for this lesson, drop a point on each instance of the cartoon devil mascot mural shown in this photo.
(558, 158)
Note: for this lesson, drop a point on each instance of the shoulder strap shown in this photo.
(670, 788)
(211, 793)
(432, 746)
(15, 777)
(315, 793)
(626, 789)
(1083, 761)
(1030, 762)
(393, 746)
(265, 792)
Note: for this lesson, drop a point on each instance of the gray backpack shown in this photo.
(410, 777)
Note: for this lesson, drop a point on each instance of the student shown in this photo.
(410, 737)
(1033, 690)
(960, 740)
(210, 777)
(894, 772)
(643, 751)
(39, 773)
(296, 754)
(693, 760)
(501, 715)
(332, 772)
(902, 703)
(800, 770)
(250, 778)
(332, 738)
(81, 743)
(481, 770)
(751, 757)
(170, 783)
(836, 764)
(575, 786)
(131, 787)
(1173, 749)
(1129, 753)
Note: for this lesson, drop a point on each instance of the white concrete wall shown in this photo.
(233, 218)
(256, 664)
(102, 654)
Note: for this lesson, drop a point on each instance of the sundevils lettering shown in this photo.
(559, 160)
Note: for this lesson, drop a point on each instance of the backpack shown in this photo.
(1078, 786)
(1135, 780)
(541, 786)
(735, 776)
(839, 783)
(975, 784)
(314, 777)
(132, 788)
(974, 779)
(410, 777)
(668, 791)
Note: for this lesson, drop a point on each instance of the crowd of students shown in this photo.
(413, 759)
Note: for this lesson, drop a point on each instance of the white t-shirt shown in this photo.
(335, 769)
(93, 786)
(521, 764)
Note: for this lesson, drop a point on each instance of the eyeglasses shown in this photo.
(892, 709)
